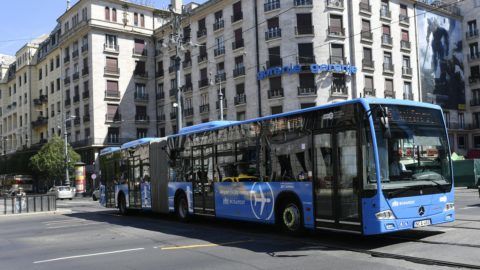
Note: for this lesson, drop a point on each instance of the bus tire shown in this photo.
(291, 217)
(181, 208)
(122, 204)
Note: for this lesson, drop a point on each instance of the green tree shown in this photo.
(49, 162)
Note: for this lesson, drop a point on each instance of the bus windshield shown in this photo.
(412, 149)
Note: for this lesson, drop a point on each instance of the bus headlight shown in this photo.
(387, 214)
(449, 206)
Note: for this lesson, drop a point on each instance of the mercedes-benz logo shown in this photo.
(421, 211)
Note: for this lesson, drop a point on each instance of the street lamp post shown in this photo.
(65, 137)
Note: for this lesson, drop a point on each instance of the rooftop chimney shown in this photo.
(177, 6)
(68, 4)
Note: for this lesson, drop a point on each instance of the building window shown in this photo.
(274, 57)
(305, 53)
(107, 13)
(369, 90)
(337, 54)
(114, 15)
(141, 133)
(461, 120)
(110, 41)
(307, 105)
(389, 93)
(113, 135)
(461, 142)
(476, 141)
(240, 116)
(135, 19)
(446, 115)
(276, 109)
(40, 74)
(407, 91)
(142, 20)
(112, 113)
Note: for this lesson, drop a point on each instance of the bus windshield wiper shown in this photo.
(438, 185)
(402, 190)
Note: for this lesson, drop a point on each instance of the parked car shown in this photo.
(62, 192)
(96, 194)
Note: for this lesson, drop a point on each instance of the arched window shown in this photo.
(114, 14)
(142, 20)
(107, 13)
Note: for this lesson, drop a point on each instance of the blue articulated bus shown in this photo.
(369, 166)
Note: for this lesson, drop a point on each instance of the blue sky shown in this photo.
(22, 20)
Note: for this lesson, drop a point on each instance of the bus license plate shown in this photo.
(422, 223)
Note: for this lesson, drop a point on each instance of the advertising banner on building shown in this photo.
(440, 58)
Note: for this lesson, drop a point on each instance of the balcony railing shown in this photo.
(472, 33)
(474, 78)
(201, 33)
(240, 99)
(204, 108)
(188, 112)
(237, 44)
(403, 19)
(219, 51)
(76, 98)
(112, 70)
(385, 13)
(111, 47)
(337, 60)
(306, 91)
(85, 71)
(300, 3)
(220, 77)
(335, 4)
(66, 59)
(40, 121)
(173, 114)
(203, 83)
(112, 94)
(37, 102)
(275, 93)
(84, 48)
(75, 54)
(388, 67)
(188, 87)
(405, 45)
(140, 73)
(142, 118)
(161, 95)
(172, 92)
(140, 97)
(273, 33)
(365, 8)
(366, 36)
(43, 98)
(473, 56)
(387, 40)
(475, 102)
(159, 73)
(335, 31)
(271, 5)
(66, 80)
(339, 90)
(76, 76)
(407, 71)
(219, 24)
(140, 52)
(202, 58)
(304, 30)
(217, 104)
(76, 121)
(187, 63)
(306, 59)
(238, 71)
(86, 118)
(408, 96)
(369, 91)
(68, 102)
(161, 117)
(237, 16)
(389, 94)
(113, 117)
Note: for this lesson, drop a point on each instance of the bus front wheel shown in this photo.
(181, 208)
(122, 205)
(291, 218)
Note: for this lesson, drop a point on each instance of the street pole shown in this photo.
(65, 136)
(220, 97)
(179, 91)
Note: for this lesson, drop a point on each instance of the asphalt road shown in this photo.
(87, 236)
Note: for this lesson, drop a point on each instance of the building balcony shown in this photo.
(239, 71)
(474, 79)
(172, 92)
(66, 59)
(385, 14)
(68, 124)
(85, 71)
(173, 114)
(141, 74)
(369, 92)
(407, 71)
(140, 97)
(307, 91)
(202, 58)
(201, 33)
(273, 33)
(366, 36)
(142, 119)
(337, 4)
(112, 94)
(405, 45)
(365, 8)
(159, 74)
(188, 112)
(389, 94)
(37, 102)
(387, 40)
(275, 93)
(66, 80)
(238, 16)
(237, 44)
(84, 48)
(86, 118)
(334, 31)
(204, 108)
(161, 95)
(388, 68)
(475, 102)
(40, 121)
(76, 76)
(203, 83)
(76, 98)
(161, 118)
(112, 118)
(115, 71)
(219, 24)
(271, 5)
(217, 104)
(187, 63)
(471, 34)
(339, 90)
(75, 54)
(408, 96)
(240, 99)
(473, 57)
(76, 121)
(187, 87)
(302, 3)
(301, 30)
(43, 98)
(111, 48)
(305, 59)
(337, 60)
(219, 51)
(220, 77)
(403, 19)
(68, 102)
(140, 52)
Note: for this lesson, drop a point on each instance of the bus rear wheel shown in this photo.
(181, 208)
(122, 205)
(291, 219)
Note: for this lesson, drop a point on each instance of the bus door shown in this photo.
(203, 192)
(336, 180)
(134, 195)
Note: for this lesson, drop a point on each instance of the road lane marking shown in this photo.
(75, 225)
(89, 255)
(203, 245)
(468, 207)
(57, 222)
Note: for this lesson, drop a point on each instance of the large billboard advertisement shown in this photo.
(441, 59)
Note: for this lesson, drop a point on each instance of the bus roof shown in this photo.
(138, 142)
(364, 101)
(109, 150)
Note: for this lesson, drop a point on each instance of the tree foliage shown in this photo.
(50, 160)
